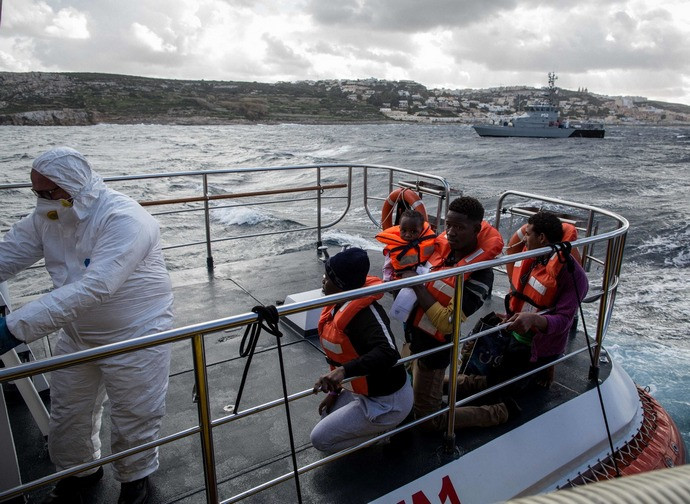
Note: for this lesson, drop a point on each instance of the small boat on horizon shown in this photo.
(541, 120)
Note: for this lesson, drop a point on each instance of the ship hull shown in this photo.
(533, 132)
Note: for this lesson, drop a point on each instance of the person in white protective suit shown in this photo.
(103, 253)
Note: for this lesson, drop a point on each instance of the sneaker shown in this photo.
(68, 490)
(134, 492)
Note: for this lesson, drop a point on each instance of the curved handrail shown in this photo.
(196, 332)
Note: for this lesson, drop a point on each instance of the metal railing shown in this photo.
(611, 264)
(373, 194)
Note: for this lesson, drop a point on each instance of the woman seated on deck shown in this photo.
(358, 341)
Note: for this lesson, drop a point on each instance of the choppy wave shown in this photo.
(240, 216)
(672, 248)
(652, 304)
(336, 151)
(337, 238)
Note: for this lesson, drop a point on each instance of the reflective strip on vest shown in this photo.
(537, 285)
(520, 234)
(444, 288)
(336, 348)
(517, 264)
(342, 308)
(473, 255)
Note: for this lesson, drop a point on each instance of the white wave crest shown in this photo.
(240, 216)
(652, 304)
(354, 240)
(332, 152)
(674, 248)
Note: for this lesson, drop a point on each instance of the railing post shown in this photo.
(588, 249)
(603, 309)
(319, 243)
(449, 441)
(204, 410)
(207, 216)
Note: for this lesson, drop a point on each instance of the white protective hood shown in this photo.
(72, 172)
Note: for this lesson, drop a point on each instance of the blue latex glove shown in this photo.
(7, 341)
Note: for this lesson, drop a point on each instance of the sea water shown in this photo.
(642, 173)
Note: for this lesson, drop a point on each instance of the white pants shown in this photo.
(136, 384)
(356, 418)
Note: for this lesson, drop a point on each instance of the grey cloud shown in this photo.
(623, 20)
(391, 57)
(322, 47)
(577, 51)
(281, 56)
(405, 15)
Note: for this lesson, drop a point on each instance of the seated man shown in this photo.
(536, 284)
(358, 341)
(467, 239)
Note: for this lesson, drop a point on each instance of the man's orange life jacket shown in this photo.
(533, 284)
(516, 243)
(333, 339)
(489, 245)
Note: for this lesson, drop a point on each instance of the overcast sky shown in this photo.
(614, 47)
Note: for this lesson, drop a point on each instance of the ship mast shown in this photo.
(552, 88)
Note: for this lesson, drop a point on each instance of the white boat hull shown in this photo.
(554, 448)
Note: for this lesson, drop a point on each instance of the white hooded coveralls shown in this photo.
(110, 282)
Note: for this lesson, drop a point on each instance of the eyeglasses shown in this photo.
(45, 194)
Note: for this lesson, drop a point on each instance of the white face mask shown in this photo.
(55, 210)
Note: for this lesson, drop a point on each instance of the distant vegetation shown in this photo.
(126, 99)
(38, 98)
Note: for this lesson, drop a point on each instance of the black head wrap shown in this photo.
(348, 269)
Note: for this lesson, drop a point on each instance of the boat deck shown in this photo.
(256, 449)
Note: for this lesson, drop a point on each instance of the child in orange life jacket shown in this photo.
(407, 245)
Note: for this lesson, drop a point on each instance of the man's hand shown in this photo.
(330, 382)
(424, 298)
(327, 404)
(7, 341)
(522, 322)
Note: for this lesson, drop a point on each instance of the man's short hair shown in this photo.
(468, 206)
(547, 223)
(413, 214)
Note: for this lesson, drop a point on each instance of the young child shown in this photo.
(407, 245)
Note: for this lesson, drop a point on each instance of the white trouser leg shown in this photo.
(136, 384)
(76, 406)
(356, 418)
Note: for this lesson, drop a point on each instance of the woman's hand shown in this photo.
(330, 382)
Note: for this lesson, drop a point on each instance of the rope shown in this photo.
(267, 319)
(563, 250)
